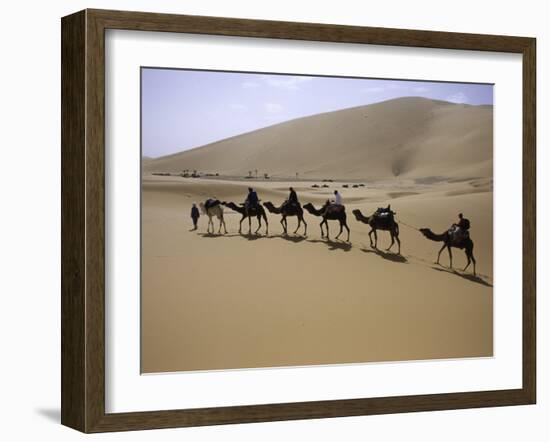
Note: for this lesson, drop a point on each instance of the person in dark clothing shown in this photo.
(463, 223)
(461, 229)
(195, 214)
(293, 198)
(252, 200)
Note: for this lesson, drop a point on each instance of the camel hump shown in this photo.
(336, 208)
(211, 202)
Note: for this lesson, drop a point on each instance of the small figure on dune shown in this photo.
(458, 236)
(195, 215)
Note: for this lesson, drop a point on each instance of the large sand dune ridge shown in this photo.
(405, 137)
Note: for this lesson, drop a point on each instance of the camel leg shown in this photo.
(299, 222)
(326, 225)
(249, 225)
(439, 254)
(210, 223)
(266, 225)
(376, 240)
(283, 224)
(347, 228)
(341, 229)
(398, 245)
(224, 226)
(470, 256)
(305, 226)
(322, 232)
(259, 225)
(450, 257)
(370, 237)
(241, 223)
(469, 261)
(392, 242)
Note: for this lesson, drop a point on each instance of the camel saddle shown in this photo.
(211, 203)
(458, 235)
(335, 208)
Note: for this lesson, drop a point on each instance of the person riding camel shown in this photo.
(292, 198)
(252, 200)
(461, 229)
(337, 199)
(336, 204)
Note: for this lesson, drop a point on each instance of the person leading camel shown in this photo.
(195, 215)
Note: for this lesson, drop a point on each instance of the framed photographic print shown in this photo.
(270, 220)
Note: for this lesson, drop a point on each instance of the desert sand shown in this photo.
(240, 301)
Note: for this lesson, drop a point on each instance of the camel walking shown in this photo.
(380, 223)
(257, 211)
(214, 211)
(329, 214)
(287, 210)
(450, 241)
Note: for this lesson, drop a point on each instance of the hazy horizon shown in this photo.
(185, 109)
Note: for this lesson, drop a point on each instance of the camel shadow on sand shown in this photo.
(393, 257)
(291, 238)
(468, 276)
(333, 244)
(216, 235)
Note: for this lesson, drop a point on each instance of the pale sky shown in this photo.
(183, 109)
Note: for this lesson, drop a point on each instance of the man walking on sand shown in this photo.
(195, 214)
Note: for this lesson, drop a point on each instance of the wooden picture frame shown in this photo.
(83, 220)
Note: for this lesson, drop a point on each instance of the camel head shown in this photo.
(431, 235)
(360, 217)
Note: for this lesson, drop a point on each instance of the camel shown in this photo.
(288, 210)
(448, 241)
(380, 223)
(214, 211)
(257, 211)
(339, 215)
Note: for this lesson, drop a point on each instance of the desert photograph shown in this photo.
(292, 220)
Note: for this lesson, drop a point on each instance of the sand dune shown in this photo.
(237, 301)
(406, 137)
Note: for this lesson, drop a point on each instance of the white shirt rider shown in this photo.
(337, 198)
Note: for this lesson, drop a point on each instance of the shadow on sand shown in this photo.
(290, 238)
(394, 257)
(333, 244)
(468, 276)
(217, 235)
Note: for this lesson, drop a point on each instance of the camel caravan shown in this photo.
(457, 236)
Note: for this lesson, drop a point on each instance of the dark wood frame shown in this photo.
(83, 216)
